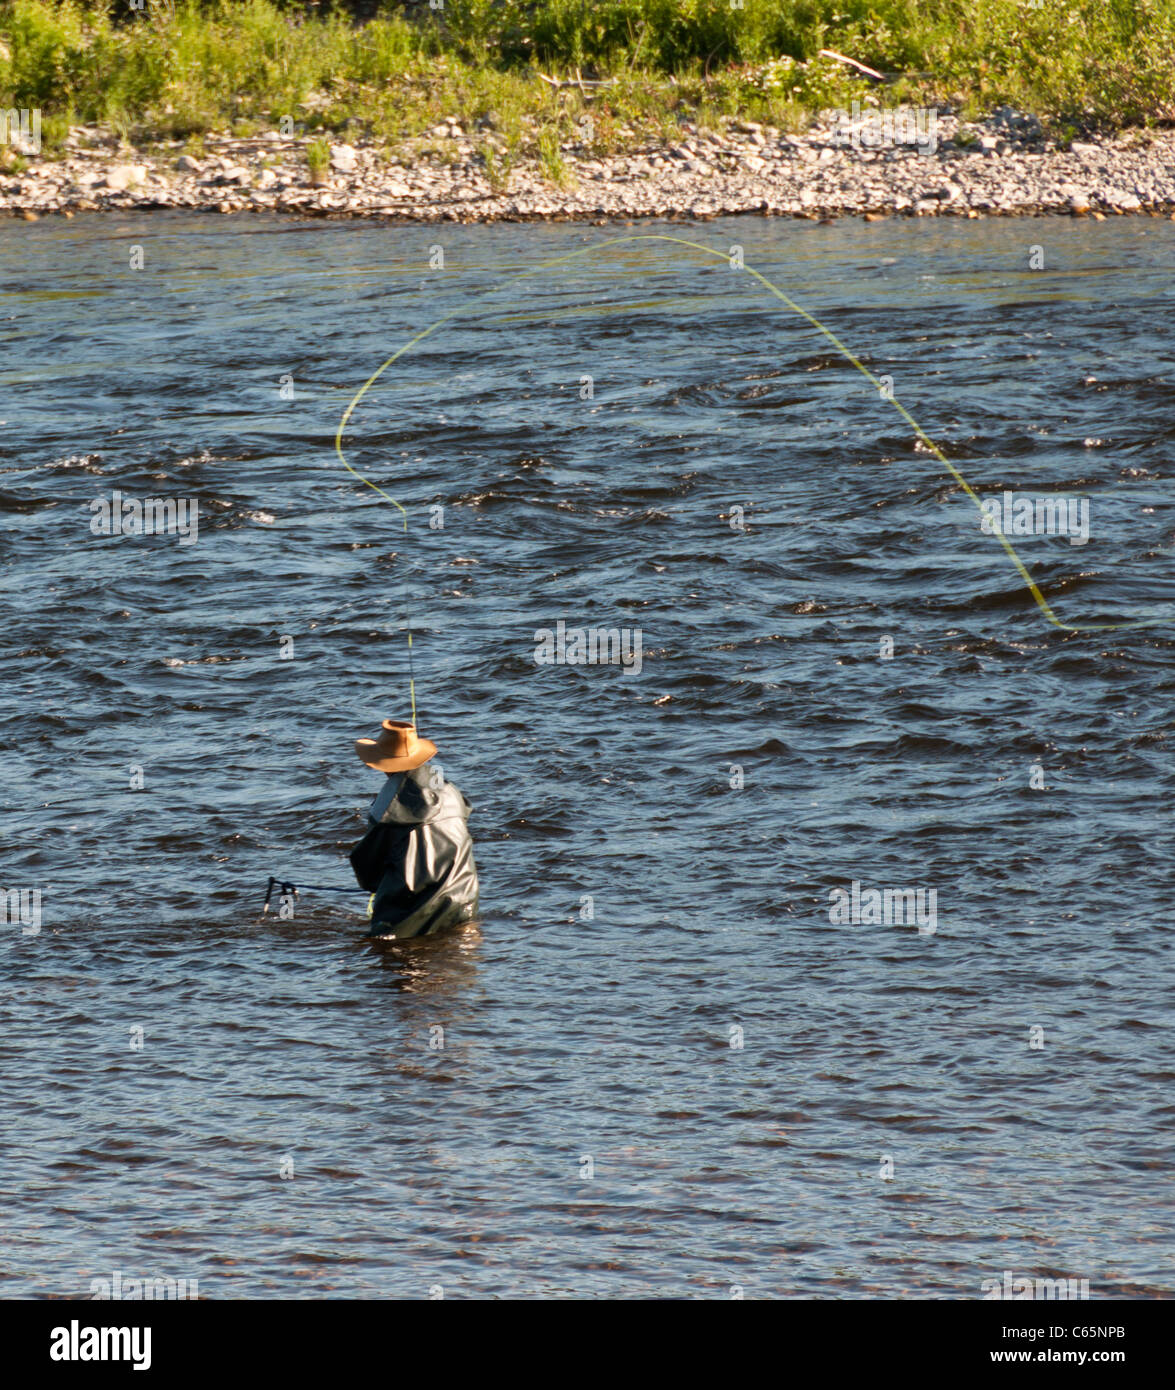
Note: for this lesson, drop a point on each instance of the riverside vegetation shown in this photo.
(582, 108)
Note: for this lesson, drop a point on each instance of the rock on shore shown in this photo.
(1002, 166)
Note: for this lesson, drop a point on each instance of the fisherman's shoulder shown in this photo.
(457, 799)
(448, 798)
(424, 796)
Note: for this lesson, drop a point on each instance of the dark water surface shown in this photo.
(269, 1042)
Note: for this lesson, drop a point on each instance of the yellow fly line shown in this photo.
(1041, 602)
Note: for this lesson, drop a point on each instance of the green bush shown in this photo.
(244, 64)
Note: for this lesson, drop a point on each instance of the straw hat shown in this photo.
(396, 748)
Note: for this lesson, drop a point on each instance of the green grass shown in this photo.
(196, 68)
(318, 160)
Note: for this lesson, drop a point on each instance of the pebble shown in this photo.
(1000, 167)
(122, 176)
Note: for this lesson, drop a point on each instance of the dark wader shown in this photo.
(417, 856)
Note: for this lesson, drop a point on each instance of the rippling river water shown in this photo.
(695, 1082)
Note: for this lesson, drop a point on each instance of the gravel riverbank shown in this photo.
(841, 167)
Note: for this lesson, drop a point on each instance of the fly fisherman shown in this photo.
(417, 855)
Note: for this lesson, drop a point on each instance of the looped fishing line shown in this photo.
(1041, 602)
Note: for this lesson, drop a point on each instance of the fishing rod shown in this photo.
(285, 890)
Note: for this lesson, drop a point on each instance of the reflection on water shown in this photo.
(439, 967)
